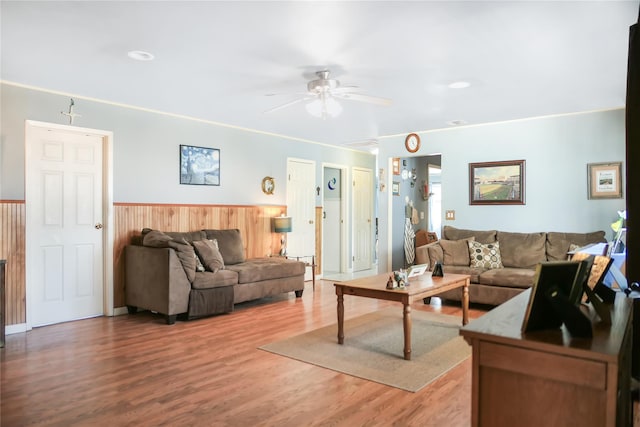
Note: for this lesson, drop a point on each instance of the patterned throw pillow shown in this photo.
(484, 255)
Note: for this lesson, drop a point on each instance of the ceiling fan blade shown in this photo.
(364, 98)
(287, 104)
(343, 89)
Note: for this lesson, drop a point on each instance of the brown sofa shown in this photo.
(201, 273)
(501, 264)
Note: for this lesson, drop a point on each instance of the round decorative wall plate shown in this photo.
(268, 185)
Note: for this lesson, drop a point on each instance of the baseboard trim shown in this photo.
(15, 329)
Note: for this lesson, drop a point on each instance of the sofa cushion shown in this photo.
(188, 236)
(184, 251)
(208, 280)
(484, 255)
(436, 254)
(482, 236)
(508, 277)
(209, 253)
(522, 250)
(461, 269)
(186, 255)
(156, 239)
(558, 243)
(455, 252)
(258, 269)
(229, 243)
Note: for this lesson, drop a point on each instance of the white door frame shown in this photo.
(344, 226)
(107, 213)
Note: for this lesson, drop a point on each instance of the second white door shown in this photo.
(301, 192)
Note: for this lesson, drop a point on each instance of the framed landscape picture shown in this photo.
(497, 183)
(199, 165)
(605, 180)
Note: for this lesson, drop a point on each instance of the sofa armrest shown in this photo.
(155, 280)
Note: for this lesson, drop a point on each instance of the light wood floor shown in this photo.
(136, 370)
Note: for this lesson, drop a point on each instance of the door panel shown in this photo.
(64, 205)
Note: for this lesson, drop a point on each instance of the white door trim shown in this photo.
(107, 206)
(344, 188)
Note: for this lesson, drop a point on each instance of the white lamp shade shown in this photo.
(324, 107)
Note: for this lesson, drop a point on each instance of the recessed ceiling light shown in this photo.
(459, 85)
(140, 55)
(457, 123)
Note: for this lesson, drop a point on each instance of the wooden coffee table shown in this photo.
(420, 287)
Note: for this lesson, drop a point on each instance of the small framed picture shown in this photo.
(199, 165)
(395, 188)
(395, 164)
(604, 180)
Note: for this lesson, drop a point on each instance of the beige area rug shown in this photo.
(373, 348)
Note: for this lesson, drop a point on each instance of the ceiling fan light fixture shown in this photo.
(324, 107)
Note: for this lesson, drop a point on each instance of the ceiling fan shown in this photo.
(323, 94)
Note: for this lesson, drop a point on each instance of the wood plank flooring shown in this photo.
(136, 370)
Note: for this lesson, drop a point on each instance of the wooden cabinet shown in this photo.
(548, 378)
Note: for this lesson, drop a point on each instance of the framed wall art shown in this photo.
(497, 183)
(395, 165)
(604, 180)
(199, 165)
(395, 188)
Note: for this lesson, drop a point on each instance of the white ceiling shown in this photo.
(220, 61)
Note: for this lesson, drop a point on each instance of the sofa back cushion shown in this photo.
(455, 252)
(188, 236)
(229, 243)
(558, 243)
(482, 236)
(522, 250)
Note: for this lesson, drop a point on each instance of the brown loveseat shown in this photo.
(201, 273)
(501, 264)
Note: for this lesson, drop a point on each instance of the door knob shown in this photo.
(310, 221)
(98, 226)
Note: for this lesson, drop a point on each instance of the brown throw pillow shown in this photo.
(435, 254)
(187, 257)
(156, 239)
(456, 252)
(209, 253)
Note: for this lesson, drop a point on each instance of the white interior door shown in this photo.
(64, 178)
(301, 190)
(333, 219)
(362, 218)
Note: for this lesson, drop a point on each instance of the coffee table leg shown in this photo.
(340, 318)
(465, 303)
(406, 319)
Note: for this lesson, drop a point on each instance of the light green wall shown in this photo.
(556, 150)
(146, 151)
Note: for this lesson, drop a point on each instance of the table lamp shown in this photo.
(282, 224)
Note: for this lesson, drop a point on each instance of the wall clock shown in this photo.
(268, 185)
(412, 142)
